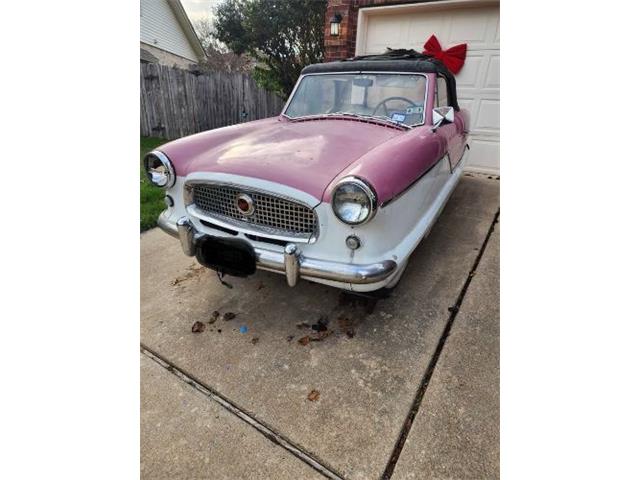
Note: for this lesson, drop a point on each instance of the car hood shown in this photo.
(306, 155)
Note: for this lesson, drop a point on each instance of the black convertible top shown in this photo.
(391, 61)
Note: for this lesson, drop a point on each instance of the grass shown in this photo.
(151, 197)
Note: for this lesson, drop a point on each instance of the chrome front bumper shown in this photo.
(290, 262)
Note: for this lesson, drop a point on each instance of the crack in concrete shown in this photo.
(265, 430)
(424, 384)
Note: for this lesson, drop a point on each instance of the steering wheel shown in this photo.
(383, 103)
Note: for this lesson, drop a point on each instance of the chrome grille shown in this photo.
(272, 214)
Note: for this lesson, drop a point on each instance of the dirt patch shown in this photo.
(193, 271)
(346, 326)
(198, 327)
(317, 337)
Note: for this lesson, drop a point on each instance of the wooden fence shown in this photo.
(176, 102)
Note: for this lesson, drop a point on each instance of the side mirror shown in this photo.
(440, 115)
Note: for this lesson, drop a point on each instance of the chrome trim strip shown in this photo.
(306, 267)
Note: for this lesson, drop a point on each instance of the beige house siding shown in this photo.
(160, 28)
(167, 58)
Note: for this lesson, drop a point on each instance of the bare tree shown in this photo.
(219, 57)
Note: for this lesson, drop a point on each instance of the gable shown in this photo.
(160, 27)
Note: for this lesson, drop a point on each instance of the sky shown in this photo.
(197, 9)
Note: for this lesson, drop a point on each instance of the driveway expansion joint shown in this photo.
(424, 384)
(265, 430)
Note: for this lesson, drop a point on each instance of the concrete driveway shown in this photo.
(410, 390)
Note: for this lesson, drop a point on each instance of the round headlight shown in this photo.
(159, 169)
(354, 202)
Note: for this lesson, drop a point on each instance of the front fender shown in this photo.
(395, 165)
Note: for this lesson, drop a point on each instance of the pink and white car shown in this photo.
(339, 189)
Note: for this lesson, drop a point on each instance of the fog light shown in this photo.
(353, 242)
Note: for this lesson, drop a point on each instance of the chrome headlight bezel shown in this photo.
(169, 176)
(366, 189)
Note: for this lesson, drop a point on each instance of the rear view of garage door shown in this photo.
(475, 23)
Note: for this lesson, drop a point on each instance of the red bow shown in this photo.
(453, 58)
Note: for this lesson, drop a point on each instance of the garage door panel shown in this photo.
(485, 115)
(418, 25)
(492, 79)
(480, 74)
(478, 83)
(380, 34)
(484, 155)
(488, 117)
(467, 104)
(470, 73)
(477, 27)
(471, 27)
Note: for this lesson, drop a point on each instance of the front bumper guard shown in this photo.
(291, 262)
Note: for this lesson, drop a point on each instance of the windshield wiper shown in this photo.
(379, 118)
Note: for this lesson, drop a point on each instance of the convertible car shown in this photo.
(339, 189)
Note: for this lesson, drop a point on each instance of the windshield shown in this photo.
(390, 96)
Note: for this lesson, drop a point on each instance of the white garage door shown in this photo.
(409, 26)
